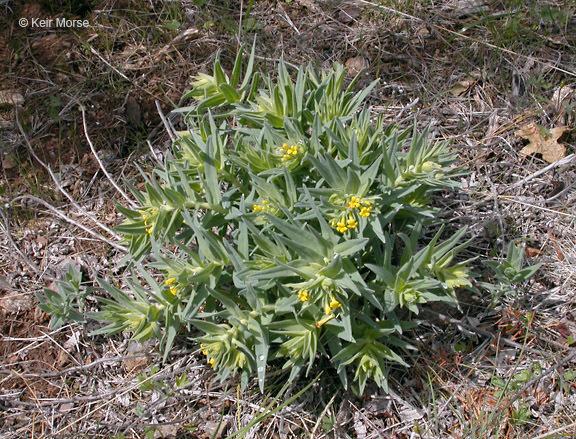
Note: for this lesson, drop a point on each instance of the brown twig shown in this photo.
(104, 170)
(71, 221)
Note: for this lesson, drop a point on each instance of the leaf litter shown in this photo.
(543, 141)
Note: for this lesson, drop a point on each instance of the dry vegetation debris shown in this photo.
(476, 72)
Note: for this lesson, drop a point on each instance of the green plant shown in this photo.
(290, 227)
(67, 303)
(509, 272)
(147, 381)
(521, 414)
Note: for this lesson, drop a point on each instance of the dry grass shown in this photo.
(473, 71)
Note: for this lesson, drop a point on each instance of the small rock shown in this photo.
(11, 98)
(63, 266)
(214, 430)
(8, 162)
(356, 65)
(66, 407)
(167, 431)
(348, 14)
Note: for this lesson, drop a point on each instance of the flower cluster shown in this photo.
(170, 283)
(210, 360)
(324, 296)
(146, 216)
(304, 295)
(364, 206)
(260, 207)
(355, 207)
(289, 152)
(353, 203)
(345, 224)
(329, 309)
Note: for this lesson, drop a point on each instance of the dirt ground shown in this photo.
(477, 73)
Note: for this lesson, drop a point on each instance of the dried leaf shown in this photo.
(564, 330)
(360, 426)
(66, 407)
(214, 430)
(348, 14)
(4, 283)
(136, 364)
(559, 253)
(379, 407)
(461, 88)
(73, 341)
(168, 431)
(532, 252)
(543, 141)
(557, 187)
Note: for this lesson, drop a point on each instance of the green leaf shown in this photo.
(208, 327)
(236, 71)
(297, 238)
(261, 347)
(229, 93)
(330, 171)
(206, 104)
(219, 74)
(350, 246)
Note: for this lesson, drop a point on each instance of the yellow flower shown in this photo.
(353, 203)
(366, 203)
(145, 217)
(211, 362)
(351, 223)
(365, 212)
(304, 295)
(289, 152)
(335, 304)
(259, 208)
(204, 351)
(170, 281)
(329, 307)
(341, 226)
(174, 290)
(150, 229)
